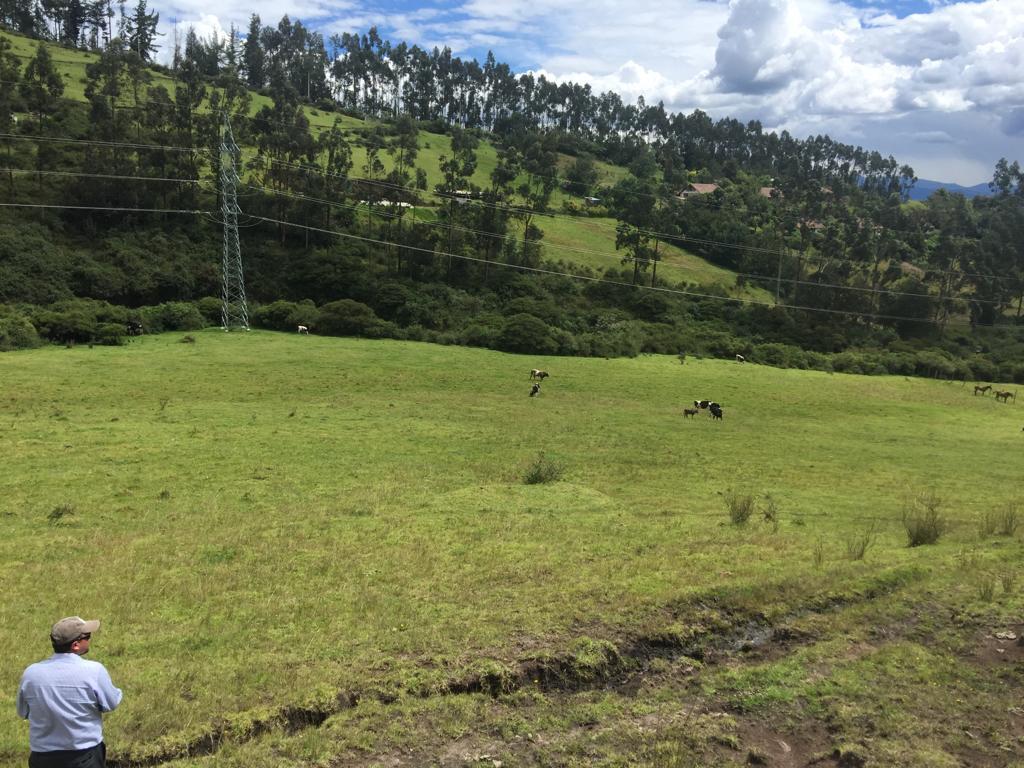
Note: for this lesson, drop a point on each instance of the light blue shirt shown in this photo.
(63, 698)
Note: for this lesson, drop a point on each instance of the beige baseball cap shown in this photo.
(69, 629)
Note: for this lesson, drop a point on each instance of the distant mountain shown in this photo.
(923, 189)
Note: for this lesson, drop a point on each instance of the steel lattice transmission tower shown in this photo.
(234, 311)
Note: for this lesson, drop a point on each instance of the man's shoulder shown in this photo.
(92, 667)
(58, 662)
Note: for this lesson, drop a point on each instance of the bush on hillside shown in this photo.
(172, 316)
(110, 334)
(68, 325)
(16, 331)
(526, 333)
(210, 308)
(286, 315)
(353, 318)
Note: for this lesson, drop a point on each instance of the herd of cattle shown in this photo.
(713, 409)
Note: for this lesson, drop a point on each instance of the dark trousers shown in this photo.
(93, 757)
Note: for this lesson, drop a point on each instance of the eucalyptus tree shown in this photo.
(456, 169)
(189, 93)
(41, 86)
(335, 155)
(10, 74)
(403, 147)
(952, 243)
(114, 89)
(253, 56)
(285, 148)
(632, 201)
(497, 210)
(540, 163)
(141, 28)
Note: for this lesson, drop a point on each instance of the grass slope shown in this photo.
(264, 520)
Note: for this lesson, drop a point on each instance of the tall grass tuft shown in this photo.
(1001, 522)
(987, 588)
(818, 554)
(740, 506)
(543, 470)
(61, 511)
(923, 520)
(858, 544)
(770, 511)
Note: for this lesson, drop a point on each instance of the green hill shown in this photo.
(573, 240)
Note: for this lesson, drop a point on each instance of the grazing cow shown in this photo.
(702, 404)
(688, 412)
(978, 388)
(740, 359)
(133, 328)
(535, 389)
(304, 329)
(539, 374)
(716, 411)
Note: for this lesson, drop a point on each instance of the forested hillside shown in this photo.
(390, 191)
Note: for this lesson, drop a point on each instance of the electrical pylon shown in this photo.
(234, 311)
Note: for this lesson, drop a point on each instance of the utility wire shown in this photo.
(468, 230)
(102, 208)
(28, 171)
(577, 220)
(680, 267)
(584, 221)
(587, 278)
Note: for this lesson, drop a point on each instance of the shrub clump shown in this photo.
(740, 505)
(58, 513)
(923, 520)
(543, 470)
(858, 544)
(1003, 522)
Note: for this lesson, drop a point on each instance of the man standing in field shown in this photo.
(63, 699)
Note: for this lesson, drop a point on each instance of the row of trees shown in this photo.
(845, 248)
(365, 73)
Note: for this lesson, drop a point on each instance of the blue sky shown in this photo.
(938, 85)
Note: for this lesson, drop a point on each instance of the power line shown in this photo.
(103, 208)
(98, 143)
(551, 247)
(603, 281)
(30, 172)
(469, 230)
(510, 209)
(663, 236)
(518, 267)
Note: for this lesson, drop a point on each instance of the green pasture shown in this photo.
(265, 520)
(591, 242)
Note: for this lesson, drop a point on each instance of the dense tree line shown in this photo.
(850, 262)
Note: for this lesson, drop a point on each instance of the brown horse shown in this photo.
(978, 388)
(1006, 396)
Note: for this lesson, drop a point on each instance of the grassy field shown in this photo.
(316, 551)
